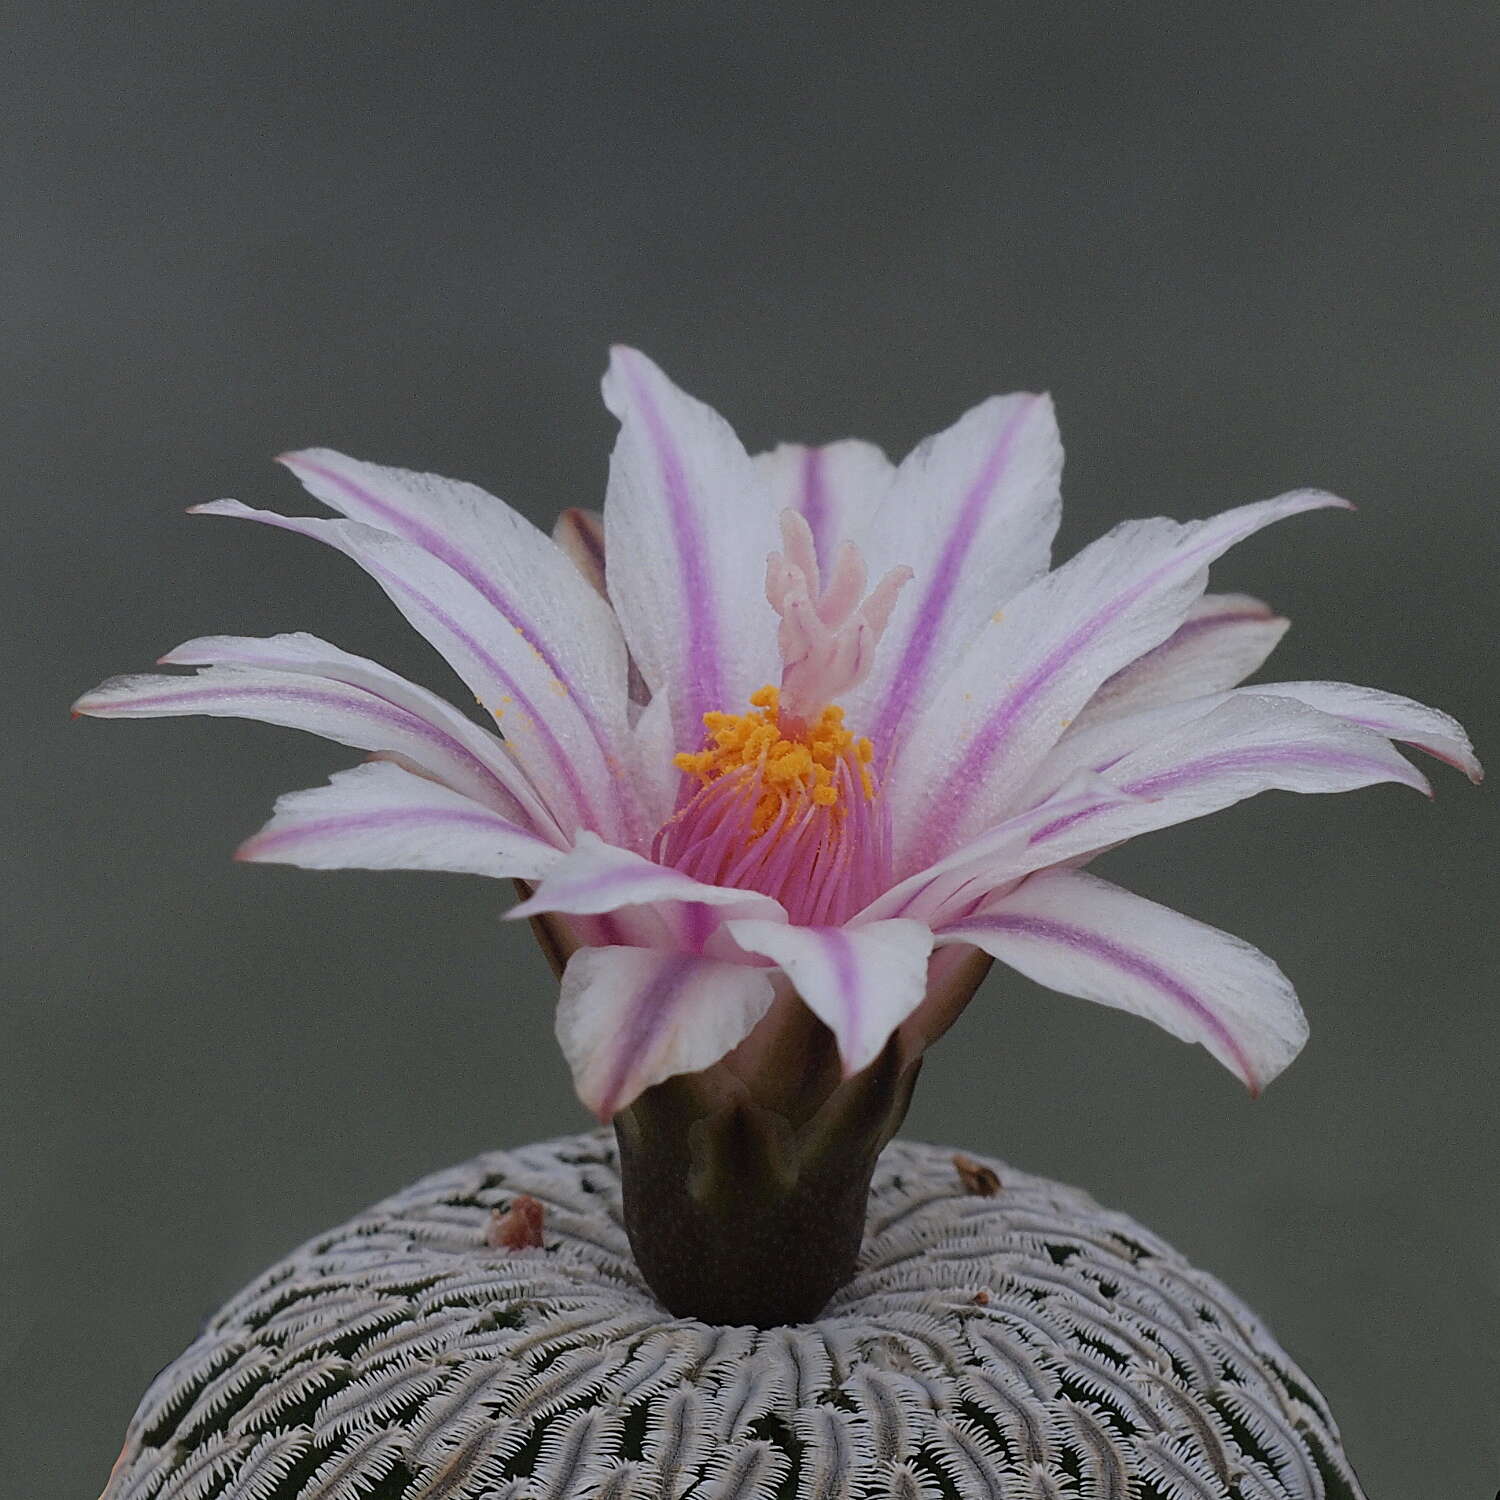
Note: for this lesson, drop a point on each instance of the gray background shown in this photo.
(1246, 247)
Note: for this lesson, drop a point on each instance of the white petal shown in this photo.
(381, 817)
(1224, 638)
(1095, 744)
(996, 861)
(688, 528)
(1390, 714)
(835, 489)
(529, 581)
(1082, 936)
(366, 718)
(630, 1017)
(651, 766)
(596, 877)
(1032, 668)
(543, 715)
(1249, 744)
(972, 511)
(861, 982)
(311, 657)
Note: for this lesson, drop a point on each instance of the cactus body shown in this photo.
(1024, 1344)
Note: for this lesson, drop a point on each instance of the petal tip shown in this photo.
(605, 1109)
(298, 459)
(251, 851)
(87, 706)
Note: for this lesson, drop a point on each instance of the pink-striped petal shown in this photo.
(1032, 667)
(1247, 745)
(539, 713)
(861, 982)
(595, 877)
(972, 511)
(1094, 745)
(529, 582)
(631, 1017)
(1005, 854)
(1398, 718)
(835, 489)
(1224, 638)
(1084, 937)
(344, 712)
(381, 817)
(1100, 745)
(311, 657)
(688, 528)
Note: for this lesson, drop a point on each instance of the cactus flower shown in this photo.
(807, 728)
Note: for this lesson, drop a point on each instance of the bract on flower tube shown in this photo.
(806, 734)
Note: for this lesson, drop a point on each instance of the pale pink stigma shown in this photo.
(828, 635)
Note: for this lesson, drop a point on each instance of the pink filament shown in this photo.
(824, 864)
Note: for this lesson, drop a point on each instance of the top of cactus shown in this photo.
(1024, 1342)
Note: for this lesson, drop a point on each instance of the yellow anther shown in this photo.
(792, 761)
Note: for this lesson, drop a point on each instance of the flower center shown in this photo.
(786, 802)
(789, 766)
(787, 809)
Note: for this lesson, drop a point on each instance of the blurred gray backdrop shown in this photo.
(1247, 247)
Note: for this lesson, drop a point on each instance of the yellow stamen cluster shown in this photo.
(792, 760)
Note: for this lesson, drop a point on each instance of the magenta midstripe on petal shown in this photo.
(1189, 629)
(552, 748)
(561, 761)
(1127, 961)
(649, 1012)
(701, 643)
(966, 779)
(362, 703)
(813, 506)
(1174, 780)
(430, 540)
(940, 590)
(1252, 760)
(377, 819)
(840, 951)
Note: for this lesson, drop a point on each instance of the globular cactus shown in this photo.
(1004, 1337)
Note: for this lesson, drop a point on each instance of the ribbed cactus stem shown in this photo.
(1003, 1336)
